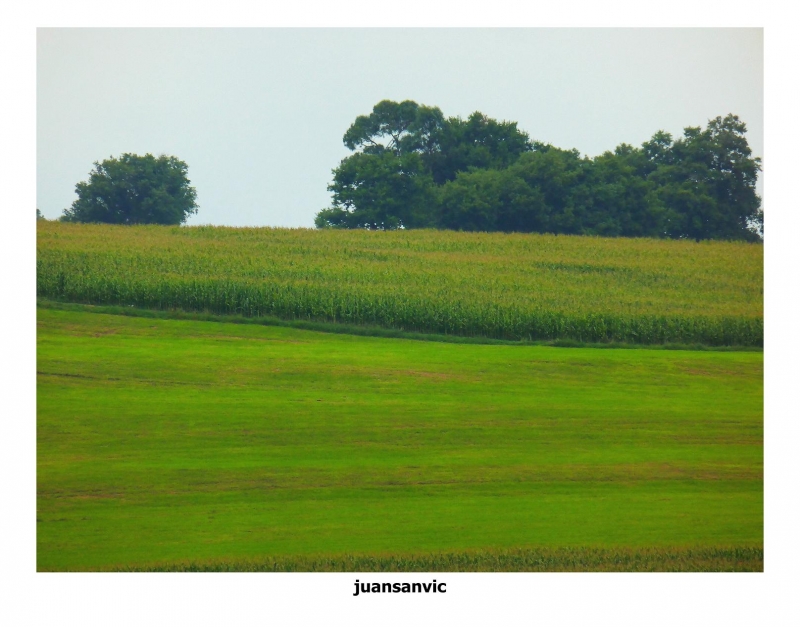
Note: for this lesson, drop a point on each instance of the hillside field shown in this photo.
(196, 445)
(493, 285)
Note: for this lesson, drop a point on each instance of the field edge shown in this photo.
(366, 330)
(565, 559)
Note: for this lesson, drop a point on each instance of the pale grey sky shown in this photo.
(259, 114)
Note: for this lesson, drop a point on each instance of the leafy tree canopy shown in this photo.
(135, 189)
(414, 168)
(396, 127)
(709, 177)
(380, 190)
(403, 152)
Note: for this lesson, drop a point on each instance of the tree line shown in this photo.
(413, 168)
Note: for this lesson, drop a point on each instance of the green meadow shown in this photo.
(166, 444)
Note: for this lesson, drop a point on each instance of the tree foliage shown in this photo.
(477, 142)
(709, 178)
(403, 153)
(135, 189)
(414, 168)
(380, 190)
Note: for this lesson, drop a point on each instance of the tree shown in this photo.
(397, 127)
(617, 198)
(403, 152)
(708, 178)
(493, 200)
(379, 191)
(135, 190)
(385, 184)
(477, 142)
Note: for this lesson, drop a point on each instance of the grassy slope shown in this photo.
(165, 441)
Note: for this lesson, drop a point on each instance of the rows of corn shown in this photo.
(531, 287)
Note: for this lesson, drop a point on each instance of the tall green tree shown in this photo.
(706, 181)
(385, 184)
(135, 189)
(402, 152)
(380, 191)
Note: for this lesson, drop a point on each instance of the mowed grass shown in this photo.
(494, 285)
(205, 445)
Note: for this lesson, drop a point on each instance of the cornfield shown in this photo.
(506, 286)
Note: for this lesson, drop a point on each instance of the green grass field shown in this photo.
(191, 445)
(494, 285)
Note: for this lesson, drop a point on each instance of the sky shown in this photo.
(258, 114)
